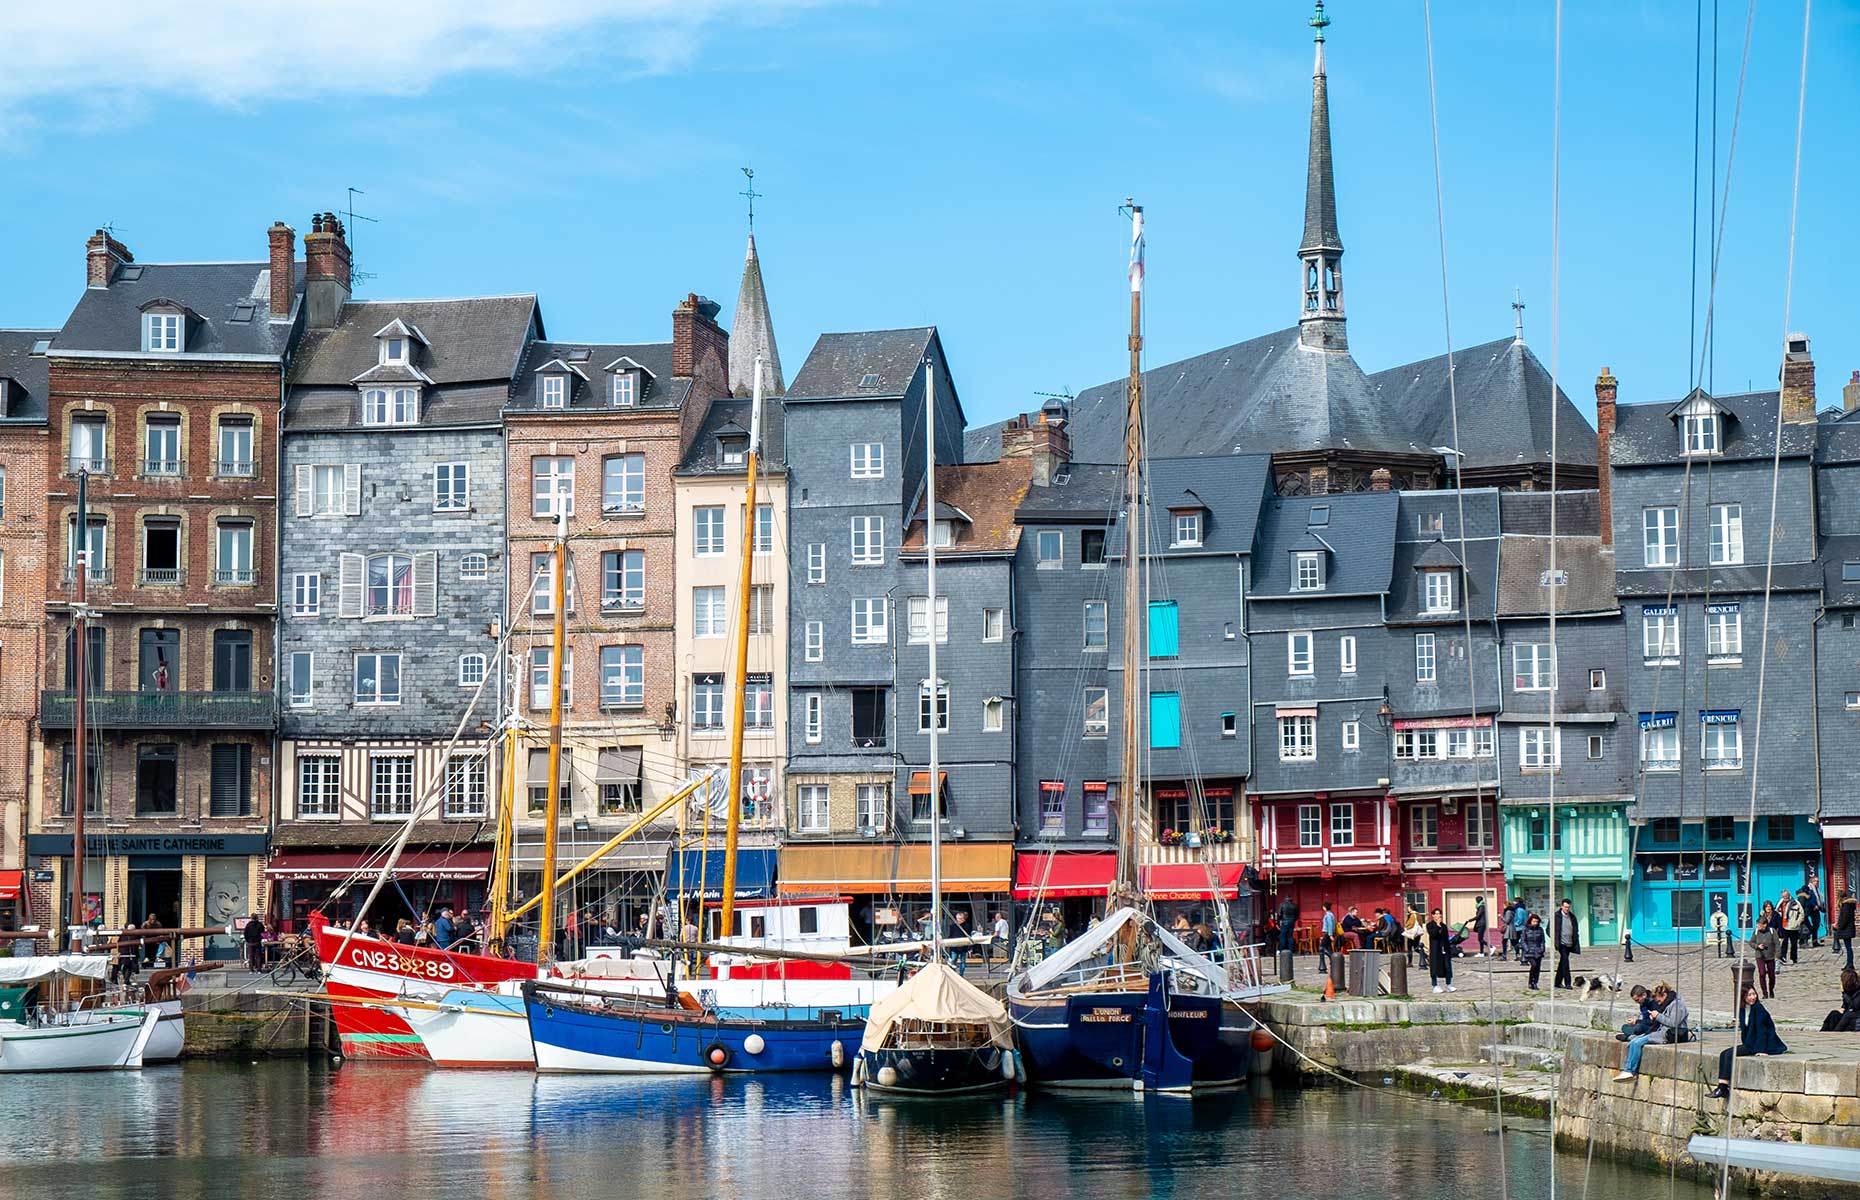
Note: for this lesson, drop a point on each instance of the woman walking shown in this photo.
(1756, 1036)
(1792, 921)
(1440, 942)
(1766, 945)
(1531, 947)
(1412, 933)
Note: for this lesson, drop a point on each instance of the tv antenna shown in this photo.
(353, 216)
(750, 193)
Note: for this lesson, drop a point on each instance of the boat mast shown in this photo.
(506, 811)
(1131, 769)
(552, 807)
(734, 784)
(80, 646)
(936, 694)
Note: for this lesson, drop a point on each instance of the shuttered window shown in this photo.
(1163, 635)
(231, 787)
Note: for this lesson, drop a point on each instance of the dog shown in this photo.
(1593, 988)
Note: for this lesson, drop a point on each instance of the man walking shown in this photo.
(1812, 906)
(1568, 939)
(1288, 921)
(1520, 917)
(1481, 921)
(254, 932)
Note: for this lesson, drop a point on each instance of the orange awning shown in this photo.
(877, 868)
(920, 782)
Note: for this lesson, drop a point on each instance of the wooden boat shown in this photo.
(86, 1039)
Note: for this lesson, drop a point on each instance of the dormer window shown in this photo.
(943, 533)
(733, 450)
(1438, 592)
(554, 391)
(1701, 433)
(393, 350)
(1308, 571)
(626, 389)
(161, 332)
(391, 406)
(1187, 529)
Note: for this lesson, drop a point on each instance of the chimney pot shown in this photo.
(283, 251)
(1850, 395)
(1380, 479)
(1798, 381)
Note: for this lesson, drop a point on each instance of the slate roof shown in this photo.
(839, 362)
(1588, 570)
(27, 374)
(753, 332)
(1648, 434)
(1231, 489)
(1504, 406)
(1361, 531)
(1836, 551)
(109, 320)
(988, 494)
(1078, 492)
(476, 346)
(701, 456)
(1416, 552)
(1577, 513)
(592, 383)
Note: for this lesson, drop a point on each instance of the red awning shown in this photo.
(334, 866)
(1189, 881)
(10, 884)
(1085, 873)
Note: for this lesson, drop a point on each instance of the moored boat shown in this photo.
(937, 1035)
(83, 1040)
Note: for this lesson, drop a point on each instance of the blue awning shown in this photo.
(698, 874)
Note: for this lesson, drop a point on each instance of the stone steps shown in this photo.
(1529, 1058)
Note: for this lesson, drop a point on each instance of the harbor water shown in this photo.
(290, 1130)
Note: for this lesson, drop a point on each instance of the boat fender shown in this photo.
(1020, 1069)
(839, 1054)
(858, 1074)
(1008, 1065)
(753, 1044)
(887, 1077)
(717, 1056)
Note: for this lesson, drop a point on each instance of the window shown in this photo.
(1049, 549)
(1424, 827)
(1164, 629)
(475, 566)
(1727, 535)
(1533, 669)
(1438, 586)
(162, 444)
(707, 614)
(994, 623)
(306, 594)
(765, 529)
(918, 620)
(868, 541)
(538, 779)
(868, 460)
(391, 406)
(1659, 633)
(236, 446)
(1481, 825)
(157, 770)
(1310, 826)
(552, 486)
(811, 808)
(1598, 679)
(93, 782)
(232, 660)
(229, 784)
(377, 679)
(1459, 743)
(95, 658)
(1701, 428)
(942, 707)
(329, 491)
(1097, 807)
(1595, 746)
(813, 641)
(623, 676)
(393, 350)
(1165, 720)
(1852, 700)
(1659, 742)
(1720, 829)
(1485, 742)
(1346, 654)
(1423, 743)
(1187, 529)
(300, 678)
(554, 391)
(816, 562)
(1779, 829)
(451, 487)
(92, 547)
(873, 807)
(869, 723)
(87, 444)
(1721, 743)
(623, 580)
(234, 554)
(1097, 712)
(1299, 653)
(2, 470)
(811, 718)
(1724, 633)
(707, 522)
(1308, 571)
(1096, 624)
(623, 484)
(542, 666)
(758, 702)
(1429, 523)
(1352, 736)
(1230, 724)
(161, 332)
(1660, 534)
(1052, 807)
(921, 799)
(1298, 739)
(626, 389)
(870, 622)
(1424, 658)
(471, 670)
(991, 714)
(390, 586)
(319, 785)
(1343, 824)
(1665, 830)
(707, 703)
(1540, 748)
(390, 791)
(1091, 548)
(465, 788)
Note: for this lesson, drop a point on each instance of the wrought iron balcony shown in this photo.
(240, 576)
(95, 466)
(161, 710)
(237, 468)
(618, 602)
(99, 576)
(163, 468)
(161, 577)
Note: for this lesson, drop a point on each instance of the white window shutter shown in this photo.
(426, 584)
(352, 489)
(305, 487)
(349, 585)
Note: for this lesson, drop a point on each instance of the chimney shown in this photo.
(283, 250)
(102, 255)
(1850, 395)
(694, 332)
(1605, 386)
(326, 270)
(1798, 381)
(1380, 479)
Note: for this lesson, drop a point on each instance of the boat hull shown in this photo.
(100, 1041)
(1150, 1040)
(934, 1072)
(571, 1038)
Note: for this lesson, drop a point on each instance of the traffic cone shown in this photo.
(1330, 988)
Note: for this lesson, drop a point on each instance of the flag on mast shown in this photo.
(1136, 248)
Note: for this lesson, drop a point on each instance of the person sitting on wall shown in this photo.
(1643, 1023)
(1756, 1037)
(1846, 1018)
(1669, 1027)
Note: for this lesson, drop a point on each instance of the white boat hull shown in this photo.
(90, 1041)
(170, 1033)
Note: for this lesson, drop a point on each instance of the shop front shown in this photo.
(1201, 893)
(13, 896)
(336, 882)
(1075, 883)
(1589, 853)
(179, 880)
(1683, 874)
(1841, 841)
(694, 882)
(890, 882)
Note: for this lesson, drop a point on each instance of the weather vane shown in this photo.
(751, 193)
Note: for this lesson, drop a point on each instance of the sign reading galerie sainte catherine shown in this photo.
(58, 845)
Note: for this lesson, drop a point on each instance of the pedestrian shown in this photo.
(254, 933)
(1721, 928)
(1531, 947)
(1288, 924)
(1669, 1027)
(1001, 937)
(1766, 945)
(1846, 1018)
(1567, 934)
(1481, 921)
(444, 930)
(151, 946)
(128, 955)
(1327, 938)
(959, 932)
(1414, 934)
(1756, 1037)
(1809, 894)
(1843, 928)
(1520, 917)
(1792, 920)
(1440, 945)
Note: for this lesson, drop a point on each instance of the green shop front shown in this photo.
(1588, 844)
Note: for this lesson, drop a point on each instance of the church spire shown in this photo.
(752, 334)
(1320, 319)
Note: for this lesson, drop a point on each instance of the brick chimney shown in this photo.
(1380, 479)
(1041, 437)
(283, 241)
(1798, 381)
(102, 255)
(1850, 395)
(326, 270)
(695, 333)
(1605, 387)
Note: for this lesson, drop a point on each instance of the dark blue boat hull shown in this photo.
(934, 1072)
(1152, 1040)
(578, 1037)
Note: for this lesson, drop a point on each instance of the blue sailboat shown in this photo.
(578, 1029)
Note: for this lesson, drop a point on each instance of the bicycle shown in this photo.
(296, 960)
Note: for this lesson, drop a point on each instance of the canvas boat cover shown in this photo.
(47, 966)
(937, 993)
(1093, 941)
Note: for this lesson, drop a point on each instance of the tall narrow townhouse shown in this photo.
(392, 575)
(1837, 644)
(1579, 767)
(1196, 559)
(1690, 484)
(1443, 692)
(25, 381)
(856, 459)
(165, 388)
(596, 432)
(1324, 817)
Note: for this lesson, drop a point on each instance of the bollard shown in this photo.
(1743, 975)
(1337, 968)
(1398, 974)
(1285, 966)
(1365, 967)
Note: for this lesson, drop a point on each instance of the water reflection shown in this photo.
(303, 1131)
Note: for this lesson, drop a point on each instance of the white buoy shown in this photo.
(887, 1077)
(839, 1054)
(753, 1044)
(1007, 1065)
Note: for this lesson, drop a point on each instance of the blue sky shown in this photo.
(959, 165)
